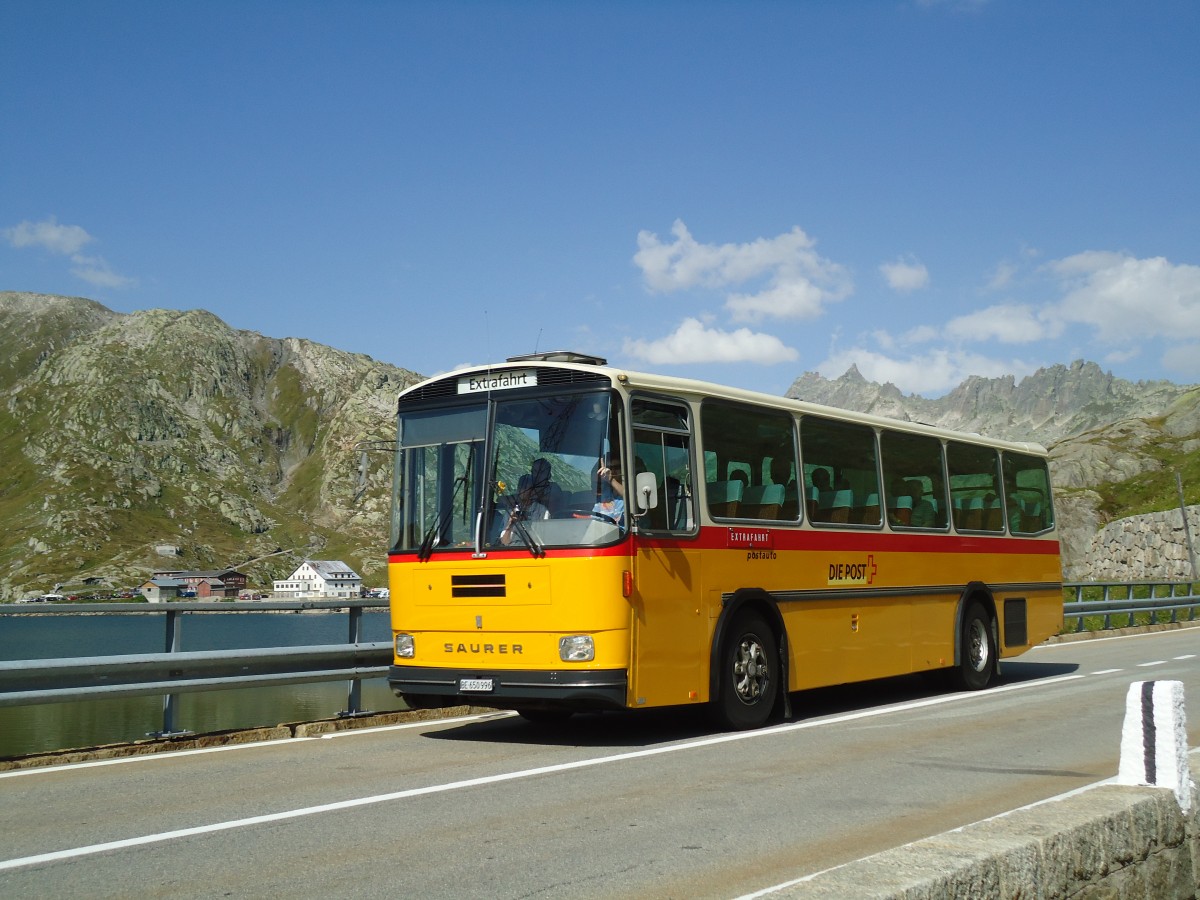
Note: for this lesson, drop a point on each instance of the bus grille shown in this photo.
(477, 586)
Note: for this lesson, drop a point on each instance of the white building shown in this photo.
(319, 578)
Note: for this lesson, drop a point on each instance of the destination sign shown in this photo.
(750, 538)
(486, 382)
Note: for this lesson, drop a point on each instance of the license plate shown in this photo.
(475, 684)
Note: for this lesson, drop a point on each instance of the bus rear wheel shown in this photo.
(977, 660)
(748, 681)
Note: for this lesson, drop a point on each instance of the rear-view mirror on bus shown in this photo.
(646, 490)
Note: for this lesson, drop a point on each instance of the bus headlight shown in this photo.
(577, 648)
(404, 646)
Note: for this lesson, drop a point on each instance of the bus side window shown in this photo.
(1027, 494)
(975, 486)
(912, 472)
(662, 444)
(753, 461)
(841, 474)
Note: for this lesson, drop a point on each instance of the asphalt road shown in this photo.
(649, 804)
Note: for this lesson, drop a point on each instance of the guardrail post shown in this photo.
(354, 687)
(174, 631)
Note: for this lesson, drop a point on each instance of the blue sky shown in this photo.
(737, 191)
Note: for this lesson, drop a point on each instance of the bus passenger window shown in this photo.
(975, 487)
(750, 461)
(1027, 494)
(840, 470)
(912, 471)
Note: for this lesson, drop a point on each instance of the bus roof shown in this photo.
(693, 389)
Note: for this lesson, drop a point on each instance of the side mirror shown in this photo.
(645, 492)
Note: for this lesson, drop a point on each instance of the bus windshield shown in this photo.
(551, 477)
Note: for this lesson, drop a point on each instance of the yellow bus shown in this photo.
(572, 536)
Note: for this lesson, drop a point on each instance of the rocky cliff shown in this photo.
(1047, 406)
(125, 435)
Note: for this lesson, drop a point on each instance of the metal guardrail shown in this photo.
(173, 672)
(35, 681)
(1180, 596)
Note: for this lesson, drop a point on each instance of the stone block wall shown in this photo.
(1143, 548)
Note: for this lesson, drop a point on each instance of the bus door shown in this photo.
(669, 634)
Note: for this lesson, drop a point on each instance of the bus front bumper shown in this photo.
(507, 689)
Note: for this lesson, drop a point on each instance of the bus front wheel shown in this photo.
(977, 659)
(749, 675)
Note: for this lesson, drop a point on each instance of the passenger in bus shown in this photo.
(820, 495)
(610, 492)
(923, 513)
(545, 491)
(525, 507)
(781, 473)
(900, 502)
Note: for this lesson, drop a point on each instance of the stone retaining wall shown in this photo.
(1143, 548)
(1112, 842)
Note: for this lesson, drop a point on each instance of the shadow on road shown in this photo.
(644, 728)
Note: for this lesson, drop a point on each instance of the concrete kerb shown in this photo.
(1124, 840)
(232, 737)
(1109, 841)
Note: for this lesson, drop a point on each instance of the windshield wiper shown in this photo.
(429, 541)
(514, 516)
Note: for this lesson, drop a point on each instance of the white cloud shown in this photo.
(95, 270)
(692, 342)
(799, 281)
(1124, 298)
(63, 240)
(1184, 360)
(1006, 323)
(1001, 276)
(793, 299)
(921, 334)
(1122, 356)
(905, 275)
(67, 240)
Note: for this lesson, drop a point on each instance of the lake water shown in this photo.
(57, 726)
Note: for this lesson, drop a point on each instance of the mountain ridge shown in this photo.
(130, 431)
(124, 433)
(1053, 403)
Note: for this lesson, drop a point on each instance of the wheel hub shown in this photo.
(751, 674)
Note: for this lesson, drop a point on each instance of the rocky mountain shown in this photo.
(1047, 406)
(131, 442)
(126, 438)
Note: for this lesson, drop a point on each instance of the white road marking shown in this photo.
(148, 757)
(249, 745)
(164, 836)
